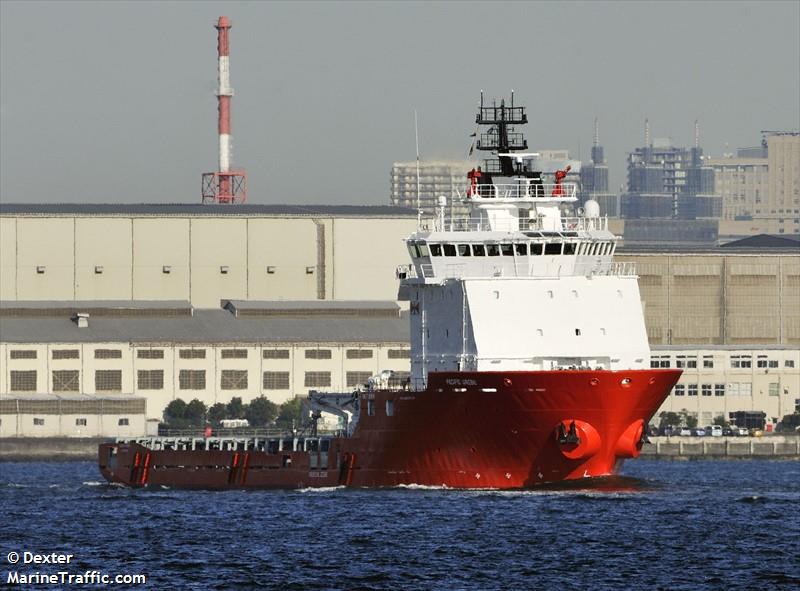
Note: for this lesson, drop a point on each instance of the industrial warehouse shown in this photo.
(149, 303)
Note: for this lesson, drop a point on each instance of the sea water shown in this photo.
(661, 525)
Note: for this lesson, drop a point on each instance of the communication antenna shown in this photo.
(596, 140)
(646, 132)
(416, 141)
(696, 133)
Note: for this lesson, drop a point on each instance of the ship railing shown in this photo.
(463, 223)
(520, 269)
(226, 433)
(515, 191)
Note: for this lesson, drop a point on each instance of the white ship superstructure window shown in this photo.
(537, 248)
(507, 250)
(449, 250)
(521, 248)
(552, 248)
(493, 250)
(569, 248)
(463, 250)
(436, 250)
(478, 250)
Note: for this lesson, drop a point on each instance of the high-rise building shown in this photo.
(783, 154)
(741, 182)
(436, 178)
(594, 180)
(665, 181)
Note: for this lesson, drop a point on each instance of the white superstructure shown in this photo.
(519, 286)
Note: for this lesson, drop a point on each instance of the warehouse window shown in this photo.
(788, 363)
(660, 361)
(359, 353)
(719, 389)
(357, 378)
(234, 353)
(774, 389)
(276, 353)
(23, 354)
(80, 422)
(318, 353)
(150, 354)
(192, 379)
(38, 422)
(23, 381)
(108, 380)
(65, 354)
(741, 361)
(679, 390)
(107, 354)
(123, 422)
(692, 389)
(66, 380)
(192, 353)
(150, 379)
(706, 389)
(708, 362)
(685, 361)
(317, 379)
(276, 380)
(234, 379)
(399, 354)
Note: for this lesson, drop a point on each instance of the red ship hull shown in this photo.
(466, 430)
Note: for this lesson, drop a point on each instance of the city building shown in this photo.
(436, 178)
(742, 183)
(783, 154)
(594, 180)
(665, 181)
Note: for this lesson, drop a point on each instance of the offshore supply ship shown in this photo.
(529, 356)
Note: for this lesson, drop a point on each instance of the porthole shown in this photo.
(594, 382)
(626, 382)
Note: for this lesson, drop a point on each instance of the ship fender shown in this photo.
(577, 440)
(630, 442)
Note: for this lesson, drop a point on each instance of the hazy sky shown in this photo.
(114, 101)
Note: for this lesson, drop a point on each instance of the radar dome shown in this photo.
(592, 209)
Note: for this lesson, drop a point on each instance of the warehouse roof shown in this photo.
(766, 241)
(196, 209)
(205, 326)
(298, 308)
(96, 307)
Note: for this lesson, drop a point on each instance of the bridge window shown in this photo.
(537, 248)
(507, 250)
(493, 250)
(478, 250)
(521, 249)
(436, 250)
(413, 250)
(423, 249)
(449, 250)
(463, 250)
(552, 248)
(569, 248)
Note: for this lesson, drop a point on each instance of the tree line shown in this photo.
(259, 412)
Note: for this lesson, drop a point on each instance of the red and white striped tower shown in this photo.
(227, 185)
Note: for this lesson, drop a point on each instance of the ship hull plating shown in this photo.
(466, 430)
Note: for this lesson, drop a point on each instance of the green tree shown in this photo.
(291, 414)
(669, 419)
(175, 411)
(260, 412)
(217, 412)
(195, 412)
(235, 408)
(720, 420)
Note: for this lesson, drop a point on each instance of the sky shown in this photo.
(111, 102)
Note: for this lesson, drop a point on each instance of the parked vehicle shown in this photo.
(742, 432)
(700, 432)
(685, 432)
(714, 430)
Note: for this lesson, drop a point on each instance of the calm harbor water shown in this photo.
(662, 525)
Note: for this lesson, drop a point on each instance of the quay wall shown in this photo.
(773, 446)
